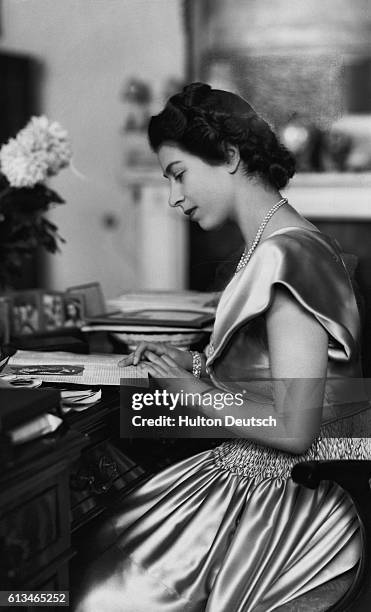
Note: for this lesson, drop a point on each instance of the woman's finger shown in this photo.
(170, 361)
(158, 348)
(127, 360)
(142, 369)
(165, 360)
(156, 371)
(137, 355)
(167, 365)
(151, 356)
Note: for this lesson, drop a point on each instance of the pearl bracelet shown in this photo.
(196, 364)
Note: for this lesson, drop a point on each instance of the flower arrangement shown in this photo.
(40, 150)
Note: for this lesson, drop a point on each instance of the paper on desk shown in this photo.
(60, 366)
(160, 329)
(170, 300)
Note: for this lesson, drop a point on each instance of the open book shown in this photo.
(63, 367)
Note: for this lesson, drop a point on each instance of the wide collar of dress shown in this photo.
(309, 264)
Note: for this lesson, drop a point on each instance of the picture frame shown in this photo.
(93, 297)
(74, 310)
(52, 310)
(4, 320)
(155, 317)
(25, 312)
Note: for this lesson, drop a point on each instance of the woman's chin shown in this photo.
(205, 226)
(209, 224)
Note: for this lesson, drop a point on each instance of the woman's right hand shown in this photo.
(182, 358)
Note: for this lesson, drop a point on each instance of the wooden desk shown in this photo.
(104, 473)
(35, 534)
(61, 489)
(53, 489)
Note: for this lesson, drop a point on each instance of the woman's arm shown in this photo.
(298, 350)
(298, 356)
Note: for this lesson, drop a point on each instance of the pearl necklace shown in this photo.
(245, 257)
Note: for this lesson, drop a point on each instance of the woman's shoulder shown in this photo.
(304, 256)
(304, 248)
(301, 237)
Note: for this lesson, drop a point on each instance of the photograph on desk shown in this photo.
(93, 302)
(74, 309)
(4, 320)
(26, 312)
(52, 308)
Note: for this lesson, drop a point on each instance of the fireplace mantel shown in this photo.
(332, 195)
(162, 233)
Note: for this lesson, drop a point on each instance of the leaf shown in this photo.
(23, 228)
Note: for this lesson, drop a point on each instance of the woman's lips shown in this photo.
(190, 212)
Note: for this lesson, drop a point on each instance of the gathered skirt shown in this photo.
(227, 530)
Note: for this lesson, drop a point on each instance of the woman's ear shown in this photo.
(233, 158)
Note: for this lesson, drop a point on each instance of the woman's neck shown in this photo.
(254, 202)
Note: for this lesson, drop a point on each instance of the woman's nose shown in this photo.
(175, 197)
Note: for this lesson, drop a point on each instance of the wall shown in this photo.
(88, 48)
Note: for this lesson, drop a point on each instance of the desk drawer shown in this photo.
(34, 525)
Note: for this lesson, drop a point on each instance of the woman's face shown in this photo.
(201, 190)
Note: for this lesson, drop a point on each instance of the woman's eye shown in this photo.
(179, 176)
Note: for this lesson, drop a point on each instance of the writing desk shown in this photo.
(52, 491)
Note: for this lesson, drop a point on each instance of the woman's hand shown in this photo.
(170, 375)
(182, 359)
(164, 366)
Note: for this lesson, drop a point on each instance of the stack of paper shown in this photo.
(197, 301)
(183, 313)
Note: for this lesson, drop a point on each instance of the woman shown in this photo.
(227, 530)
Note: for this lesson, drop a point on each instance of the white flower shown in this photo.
(40, 150)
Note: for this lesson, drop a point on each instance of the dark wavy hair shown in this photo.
(203, 121)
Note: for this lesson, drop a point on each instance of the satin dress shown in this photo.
(228, 530)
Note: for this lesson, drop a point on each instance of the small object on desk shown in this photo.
(79, 400)
(12, 380)
(36, 428)
(61, 368)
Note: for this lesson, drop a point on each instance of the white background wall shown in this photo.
(88, 49)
